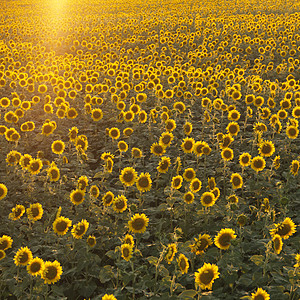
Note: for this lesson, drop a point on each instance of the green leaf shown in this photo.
(106, 274)
(257, 259)
(188, 294)
(152, 260)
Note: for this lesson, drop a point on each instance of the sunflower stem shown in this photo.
(133, 282)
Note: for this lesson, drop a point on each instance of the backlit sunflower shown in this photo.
(126, 251)
(227, 154)
(208, 199)
(206, 276)
(138, 223)
(51, 272)
(188, 197)
(187, 145)
(5, 242)
(258, 163)
(294, 168)
(292, 131)
(224, 237)
(285, 229)
(260, 294)
(164, 164)
(236, 180)
(177, 182)
(120, 204)
(35, 212)
(17, 212)
(157, 149)
(266, 148)
(35, 267)
(35, 166)
(61, 225)
(277, 243)
(77, 196)
(183, 263)
(128, 176)
(3, 191)
(171, 251)
(79, 229)
(23, 257)
(201, 244)
(108, 198)
(144, 182)
(245, 159)
(166, 139)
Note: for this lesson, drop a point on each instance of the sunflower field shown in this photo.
(149, 149)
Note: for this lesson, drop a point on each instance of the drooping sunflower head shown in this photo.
(17, 212)
(201, 244)
(284, 229)
(2, 254)
(94, 192)
(277, 243)
(53, 173)
(183, 263)
(294, 168)
(128, 239)
(187, 128)
(82, 182)
(171, 251)
(91, 240)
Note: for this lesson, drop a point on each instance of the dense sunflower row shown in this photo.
(151, 150)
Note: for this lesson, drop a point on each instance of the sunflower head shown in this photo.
(23, 256)
(51, 272)
(138, 223)
(206, 276)
(224, 237)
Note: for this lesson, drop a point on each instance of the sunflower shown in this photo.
(35, 267)
(5, 242)
(108, 297)
(188, 145)
(51, 272)
(58, 147)
(208, 199)
(166, 139)
(126, 251)
(77, 196)
(136, 152)
(142, 116)
(170, 125)
(292, 131)
(277, 243)
(236, 180)
(3, 191)
(35, 166)
(206, 276)
(108, 198)
(48, 128)
(23, 257)
(198, 148)
(266, 148)
(128, 132)
(211, 183)
(227, 154)
(183, 263)
(91, 241)
(179, 106)
(96, 114)
(216, 192)
(17, 212)
(260, 127)
(285, 229)
(79, 229)
(260, 294)
(233, 199)
(245, 159)
(13, 158)
(138, 223)
(294, 168)
(35, 212)
(107, 155)
(222, 240)
(94, 192)
(233, 128)
(201, 244)
(73, 133)
(2, 254)
(120, 204)
(128, 239)
(82, 183)
(296, 112)
(157, 149)
(128, 176)
(53, 173)
(258, 163)
(227, 139)
(177, 182)
(171, 251)
(297, 265)
(187, 128)
(61, 225)
(164, 164)
(206, 149)
(189, 174)
(188, 197)
(195, 185)
(123, 146)
(114, 133)
(144, 182)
